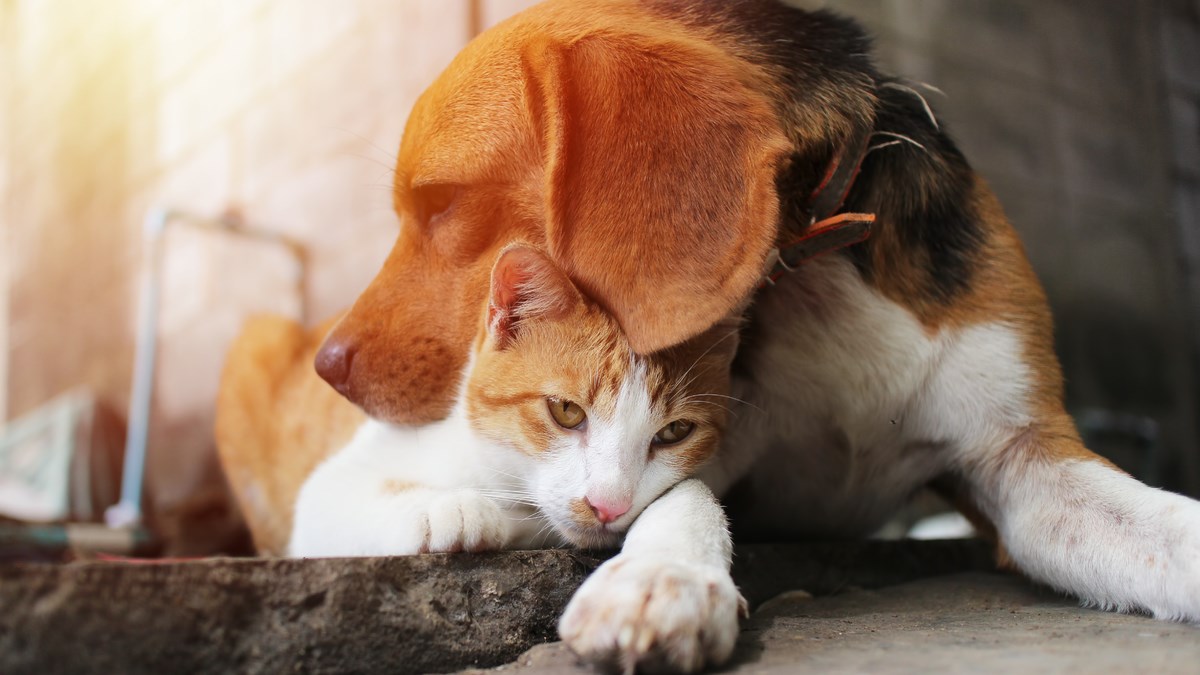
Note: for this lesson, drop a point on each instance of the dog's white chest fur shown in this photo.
(851, 404)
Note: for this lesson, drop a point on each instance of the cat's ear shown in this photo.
(526, 285)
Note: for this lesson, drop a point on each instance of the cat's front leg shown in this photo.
(449, 521)
(410, 521)
(371, 499)
(667, 601)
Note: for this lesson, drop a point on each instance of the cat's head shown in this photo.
(595, 431)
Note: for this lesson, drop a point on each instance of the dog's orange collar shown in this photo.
(828, 229)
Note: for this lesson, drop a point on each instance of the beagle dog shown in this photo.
(680, 159)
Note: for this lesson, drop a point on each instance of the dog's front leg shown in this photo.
(667, 601)
(1071, 520)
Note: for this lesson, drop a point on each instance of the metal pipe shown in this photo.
(128, 511)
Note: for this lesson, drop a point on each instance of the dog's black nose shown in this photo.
(334, 360)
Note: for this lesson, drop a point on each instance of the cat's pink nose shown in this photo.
(607, 511)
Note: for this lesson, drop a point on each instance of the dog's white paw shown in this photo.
(1170, 570)
(1117, 544)
(654, 614)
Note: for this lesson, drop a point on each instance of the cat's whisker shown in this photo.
(544, 533)
(533, 516)
(502, 472)
(505, 495)
(511, 500)
(523, 500)
(697, 401)
(684, 403)
(730, 398)
(520, 480)
(517, 499)
(504, 490)
(704, 354)
(507, 490)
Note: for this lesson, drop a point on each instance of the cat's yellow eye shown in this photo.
(568, 414)
(674, 432)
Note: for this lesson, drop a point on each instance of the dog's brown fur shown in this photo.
(647, 146)
(275, 422)
(512, 143)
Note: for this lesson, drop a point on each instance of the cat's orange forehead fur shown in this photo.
(584, 357)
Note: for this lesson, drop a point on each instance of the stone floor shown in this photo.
(935, 608)
(976, 623)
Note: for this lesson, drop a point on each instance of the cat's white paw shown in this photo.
(654, 614)
(462, 520)
(437, 521)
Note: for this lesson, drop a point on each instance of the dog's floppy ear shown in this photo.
(526, 286)
(661, 165)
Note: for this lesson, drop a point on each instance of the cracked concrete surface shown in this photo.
(443, 613)
(974, 623)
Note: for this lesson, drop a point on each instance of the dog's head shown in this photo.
(642, 151)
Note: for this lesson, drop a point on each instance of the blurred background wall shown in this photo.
(1083, 114)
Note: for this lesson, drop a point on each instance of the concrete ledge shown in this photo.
(433, 613)
(983, 624)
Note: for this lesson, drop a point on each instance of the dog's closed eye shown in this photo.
(433, 201)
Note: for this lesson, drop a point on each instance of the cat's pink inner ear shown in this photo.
(507, 278)
(526, 285)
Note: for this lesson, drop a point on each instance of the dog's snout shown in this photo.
(334, 360)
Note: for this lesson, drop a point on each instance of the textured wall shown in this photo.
(291, 110)
(1180, 20)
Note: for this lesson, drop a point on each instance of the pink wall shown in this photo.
(288, 110)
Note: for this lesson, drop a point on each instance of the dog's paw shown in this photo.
(654, 615)
(1170, 568)
(1114, 542)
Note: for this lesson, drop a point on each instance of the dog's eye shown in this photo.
(434, 201)
(673, 433)
(568, 414)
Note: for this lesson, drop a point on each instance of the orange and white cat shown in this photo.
(561, 435)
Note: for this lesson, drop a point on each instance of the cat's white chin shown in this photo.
(591, 537)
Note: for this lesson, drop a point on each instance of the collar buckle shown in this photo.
(828, 229)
